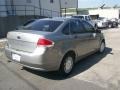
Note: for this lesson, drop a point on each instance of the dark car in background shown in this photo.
(113, 23)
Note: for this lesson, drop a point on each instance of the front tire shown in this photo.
(102, 47)
(67, 65)
(110, 26)
(96, 27)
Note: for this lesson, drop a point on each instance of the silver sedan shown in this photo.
(53, 44)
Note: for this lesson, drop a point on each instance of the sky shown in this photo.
(97, 3)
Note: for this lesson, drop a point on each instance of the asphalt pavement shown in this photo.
(96, 72)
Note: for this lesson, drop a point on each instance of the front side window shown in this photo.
(87, 18)
(76, 27)
(43, 25)
(88, 27)
(81, 17)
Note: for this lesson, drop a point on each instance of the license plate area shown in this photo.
(16, 57)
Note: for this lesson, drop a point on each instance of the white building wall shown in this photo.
(56, 5)
(43, 7)
(8, 7)
(2, 8)
(48, 7)
(69, 3)
(108, 13)
(27, 7)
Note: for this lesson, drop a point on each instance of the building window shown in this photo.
(51, 1)
(28, 1)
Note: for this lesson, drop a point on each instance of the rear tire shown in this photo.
(116, 25)
(67, 65)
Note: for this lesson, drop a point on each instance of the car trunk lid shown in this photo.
(24, 40)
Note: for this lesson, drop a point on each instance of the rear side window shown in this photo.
(43, 25)
(76, 27)
(88, 27)
(66, 29)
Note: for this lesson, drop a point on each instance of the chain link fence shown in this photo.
(19, 14)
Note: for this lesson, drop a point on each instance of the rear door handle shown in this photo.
(93, 35)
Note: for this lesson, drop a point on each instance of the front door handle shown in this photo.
(93, 35)
(76, 37)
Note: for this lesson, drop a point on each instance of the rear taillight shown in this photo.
(45, 42)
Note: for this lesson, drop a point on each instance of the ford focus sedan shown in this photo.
(54, 44)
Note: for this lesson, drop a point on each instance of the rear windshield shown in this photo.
(43, 25)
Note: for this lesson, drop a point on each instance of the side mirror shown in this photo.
(98, 31)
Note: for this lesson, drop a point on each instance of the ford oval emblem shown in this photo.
(18, 37)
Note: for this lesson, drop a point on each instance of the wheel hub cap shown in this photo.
(68, 65)
(102, 47)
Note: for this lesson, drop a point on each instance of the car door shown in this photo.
(94, 36)
(79, 38)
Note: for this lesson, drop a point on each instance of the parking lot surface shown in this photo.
(96, 72)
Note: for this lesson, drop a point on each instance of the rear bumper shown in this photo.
(36, 60)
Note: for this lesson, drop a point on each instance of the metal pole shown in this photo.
(65, 12)
(34, 11)
(25, 10)
(77, 11)
(6, 7)
(12, 7)
(15, 10)
(51, 13)
(65, 8)
(60, 8)
(77, 7)
(40, 6)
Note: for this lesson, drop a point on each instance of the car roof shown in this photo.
(80, 15)
(53, 19)
(58, 18)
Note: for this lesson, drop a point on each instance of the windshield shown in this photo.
(42, 25)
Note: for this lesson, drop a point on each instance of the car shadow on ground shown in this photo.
(80, 67)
